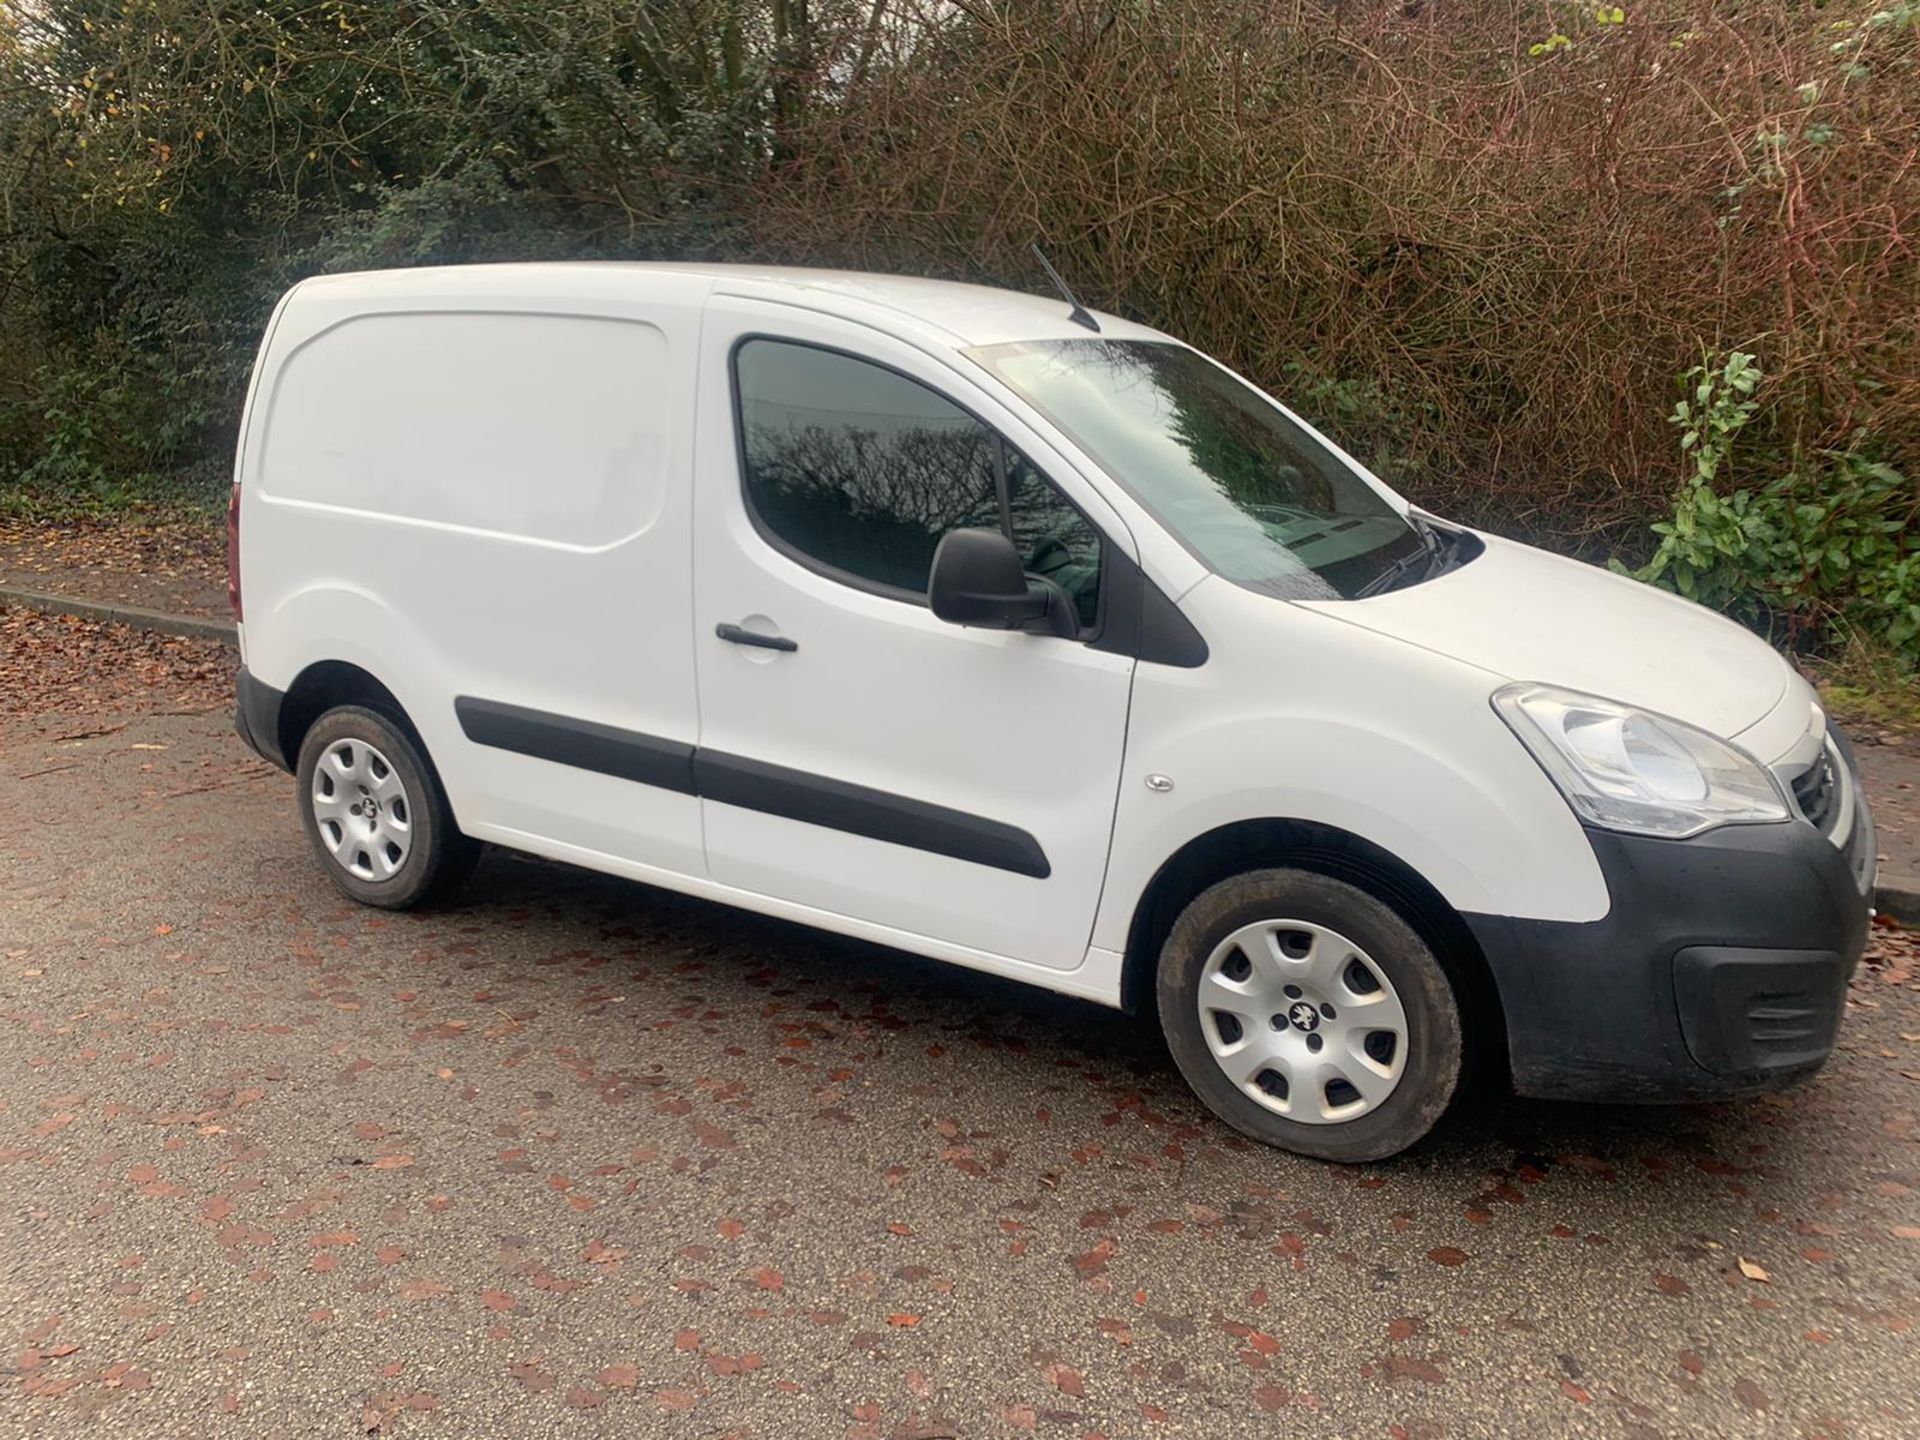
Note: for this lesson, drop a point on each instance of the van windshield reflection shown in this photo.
(1253, 493)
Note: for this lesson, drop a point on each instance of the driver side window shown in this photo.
(859, 471)
(1054, 539)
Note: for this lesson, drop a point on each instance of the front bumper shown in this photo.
(1721, 967)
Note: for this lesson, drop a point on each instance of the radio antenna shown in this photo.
(1079, 315)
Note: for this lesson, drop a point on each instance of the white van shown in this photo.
(1036, 641)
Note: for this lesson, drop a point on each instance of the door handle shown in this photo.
(734, 635)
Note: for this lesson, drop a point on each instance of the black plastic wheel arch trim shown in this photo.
(752, 785)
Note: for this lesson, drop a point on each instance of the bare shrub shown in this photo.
(1484, 265)
(1479, 238)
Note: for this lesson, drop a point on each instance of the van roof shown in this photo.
(967, 314)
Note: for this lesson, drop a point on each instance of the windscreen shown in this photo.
(1249, 490)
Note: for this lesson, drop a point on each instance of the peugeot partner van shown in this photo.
(1036, 641)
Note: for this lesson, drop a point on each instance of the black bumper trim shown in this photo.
(583, 744)
(1667, 997)
(1747, 1012)
(752, 785)
(859, 810)
(256, 716)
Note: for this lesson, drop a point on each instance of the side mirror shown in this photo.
(978, 580)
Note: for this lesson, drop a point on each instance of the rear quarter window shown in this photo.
(544, 427)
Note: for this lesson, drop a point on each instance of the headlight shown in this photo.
(1627, 769)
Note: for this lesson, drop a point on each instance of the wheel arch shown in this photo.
(1243, 845)
(326, 684)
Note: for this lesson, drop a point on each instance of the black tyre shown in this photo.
(1309, 1015)
(375, 814)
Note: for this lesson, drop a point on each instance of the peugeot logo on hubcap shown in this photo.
(1304, 1016)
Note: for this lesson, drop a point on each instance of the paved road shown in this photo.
(583, 1158)
(1892, 776)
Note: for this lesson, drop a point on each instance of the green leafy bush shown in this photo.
(1825, 551)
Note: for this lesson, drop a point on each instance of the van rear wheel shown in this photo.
(375, 814)
(1309, 1015)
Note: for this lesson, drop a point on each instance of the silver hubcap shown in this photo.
(1302, 1021)
(363, 811)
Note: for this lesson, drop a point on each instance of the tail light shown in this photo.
(233, 554)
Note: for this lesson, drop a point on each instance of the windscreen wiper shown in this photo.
(1428, 554)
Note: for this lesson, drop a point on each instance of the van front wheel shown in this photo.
(1309, 1015)
(375, 813)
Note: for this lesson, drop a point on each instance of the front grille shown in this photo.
(1827, 792)
(1816, 790)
